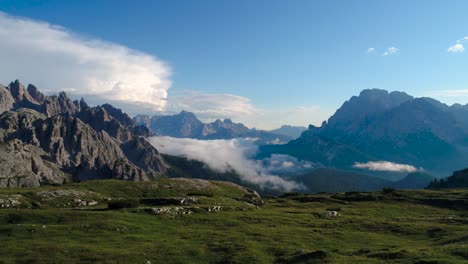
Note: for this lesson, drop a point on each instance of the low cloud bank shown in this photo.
(385, 166)
(281, 164)
(234, 154)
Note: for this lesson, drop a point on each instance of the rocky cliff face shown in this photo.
(63, 140)
(24, 165)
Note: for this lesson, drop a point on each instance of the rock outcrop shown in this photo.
(62, 140)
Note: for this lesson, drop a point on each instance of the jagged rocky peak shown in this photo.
(55, 105)
(36, 94)
(118, 114)
(17, 90)
(21, 96)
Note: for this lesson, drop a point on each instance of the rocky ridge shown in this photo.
(62, 140)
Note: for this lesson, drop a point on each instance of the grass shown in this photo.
(392, 227)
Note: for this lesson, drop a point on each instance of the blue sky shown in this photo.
(274, 62)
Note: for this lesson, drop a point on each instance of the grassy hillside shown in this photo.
(48, 225)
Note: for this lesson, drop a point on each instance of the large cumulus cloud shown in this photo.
(56, 59)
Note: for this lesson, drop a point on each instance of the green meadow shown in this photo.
(49, 225)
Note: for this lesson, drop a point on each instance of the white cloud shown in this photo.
(385, 166)
(225, 155)
(212, 106)
(390, 51)
(56, 59)
(371, 50)
(457, 48)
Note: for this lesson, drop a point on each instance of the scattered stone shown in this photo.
(48, 195)
(170, 210)
(215, 208)
(92, 203)
(12, 201)
(332, 214)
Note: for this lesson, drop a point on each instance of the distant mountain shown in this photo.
(290, 131)
(378, 125)
(52, 140)
(459, 179)
(182, 125)
(415, 180)
(187, 125)
(332, 180)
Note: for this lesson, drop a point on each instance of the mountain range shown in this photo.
(187, 125)
(53, 140)
(48, 140)
(378, 125)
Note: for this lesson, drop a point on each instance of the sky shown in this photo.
(263, 63)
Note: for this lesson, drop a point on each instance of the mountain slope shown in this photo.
(70, 140)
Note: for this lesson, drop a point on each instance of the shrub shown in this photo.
(15, 218)
(290, 194)
(123, 203)
(388, 190)
(35, 205)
